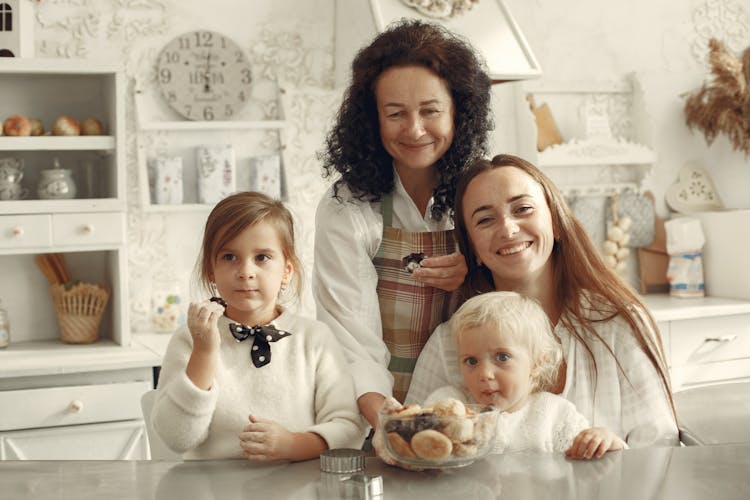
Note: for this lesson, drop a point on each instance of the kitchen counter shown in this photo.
(667, 308)
(698, 472)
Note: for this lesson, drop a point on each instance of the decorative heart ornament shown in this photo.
(693, 192)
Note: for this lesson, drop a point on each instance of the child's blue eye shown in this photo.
(501, 356)
(228, 256)
(263, 257)
(470, 361)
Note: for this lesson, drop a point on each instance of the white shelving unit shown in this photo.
(56, 396)
(617, 163)
(159, 135)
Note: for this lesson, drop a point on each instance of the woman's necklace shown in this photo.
(441, 8)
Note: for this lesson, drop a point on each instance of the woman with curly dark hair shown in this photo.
(417, 111)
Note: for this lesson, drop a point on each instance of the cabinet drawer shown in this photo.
(110, 441)
(707, 340)
(56, 406)
(24, 231)
(88, 229)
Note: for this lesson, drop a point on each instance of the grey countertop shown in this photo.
(696, 472)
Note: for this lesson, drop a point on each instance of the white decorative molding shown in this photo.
(441, 9)
(598, 151)
(727, 20)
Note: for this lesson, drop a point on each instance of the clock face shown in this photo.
(204, 75)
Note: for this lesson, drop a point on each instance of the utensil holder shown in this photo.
(79, 311)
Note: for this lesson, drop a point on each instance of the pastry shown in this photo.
(17, 125)
(65, 125)
(399, 445)
(412, 261)
(408, 411)
(37, 128)
(458, 429)
(431, 445)
(465, 449)
(92, 126)
(449, 408)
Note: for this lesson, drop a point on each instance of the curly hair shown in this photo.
(353, 145)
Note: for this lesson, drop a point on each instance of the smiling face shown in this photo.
(510, 227)
(415, 112)
(249, 271)
(495, 369)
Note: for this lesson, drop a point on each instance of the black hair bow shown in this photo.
(260, 352)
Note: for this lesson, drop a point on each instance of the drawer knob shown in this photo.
(76, 406)
(88, 229)
(17, 232)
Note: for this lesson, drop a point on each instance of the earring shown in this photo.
(283, 287)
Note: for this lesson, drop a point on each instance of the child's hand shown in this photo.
(265, 440)
(202, 321)
(594, 442)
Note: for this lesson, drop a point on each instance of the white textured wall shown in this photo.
(665, 44)
(292, 40)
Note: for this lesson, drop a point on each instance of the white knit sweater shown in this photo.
(305, 388)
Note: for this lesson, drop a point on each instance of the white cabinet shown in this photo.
(707, 340)
(60, 400)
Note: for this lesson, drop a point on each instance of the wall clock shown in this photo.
(204, 75)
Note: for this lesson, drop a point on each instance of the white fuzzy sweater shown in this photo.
(305, 388)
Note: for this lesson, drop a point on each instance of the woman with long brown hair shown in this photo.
(518, 233)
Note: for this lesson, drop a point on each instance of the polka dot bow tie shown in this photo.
(260, 352)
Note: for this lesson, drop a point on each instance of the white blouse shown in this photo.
(348, 234)
(634, 406)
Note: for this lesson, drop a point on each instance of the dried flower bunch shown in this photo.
(723, 106)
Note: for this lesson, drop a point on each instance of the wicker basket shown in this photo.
(79, 311)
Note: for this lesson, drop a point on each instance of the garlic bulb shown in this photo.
(614, 249)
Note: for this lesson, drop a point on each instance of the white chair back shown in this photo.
(159, 450)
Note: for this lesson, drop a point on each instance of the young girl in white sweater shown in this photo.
(509, 358)
(246, 377)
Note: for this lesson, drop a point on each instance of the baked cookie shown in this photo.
(399, 445)
(458, 429)
(431, 445)
(449, 408)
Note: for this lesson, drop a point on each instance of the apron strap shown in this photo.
(387, 208)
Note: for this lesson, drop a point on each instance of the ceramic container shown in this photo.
(12, 191)
(56, 184)
(168, 180)
(216, 172)
(11, 170)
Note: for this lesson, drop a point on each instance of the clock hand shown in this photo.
(207, 75)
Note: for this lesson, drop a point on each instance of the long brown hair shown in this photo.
(234, 214)
(587, 291)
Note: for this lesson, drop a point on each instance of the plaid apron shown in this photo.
(409, 310)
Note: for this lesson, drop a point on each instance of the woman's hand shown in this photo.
(594, 442)
(202, 321)
(370, 404)
(446, 272)
(265, 440)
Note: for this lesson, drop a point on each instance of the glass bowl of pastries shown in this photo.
(445, 434)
